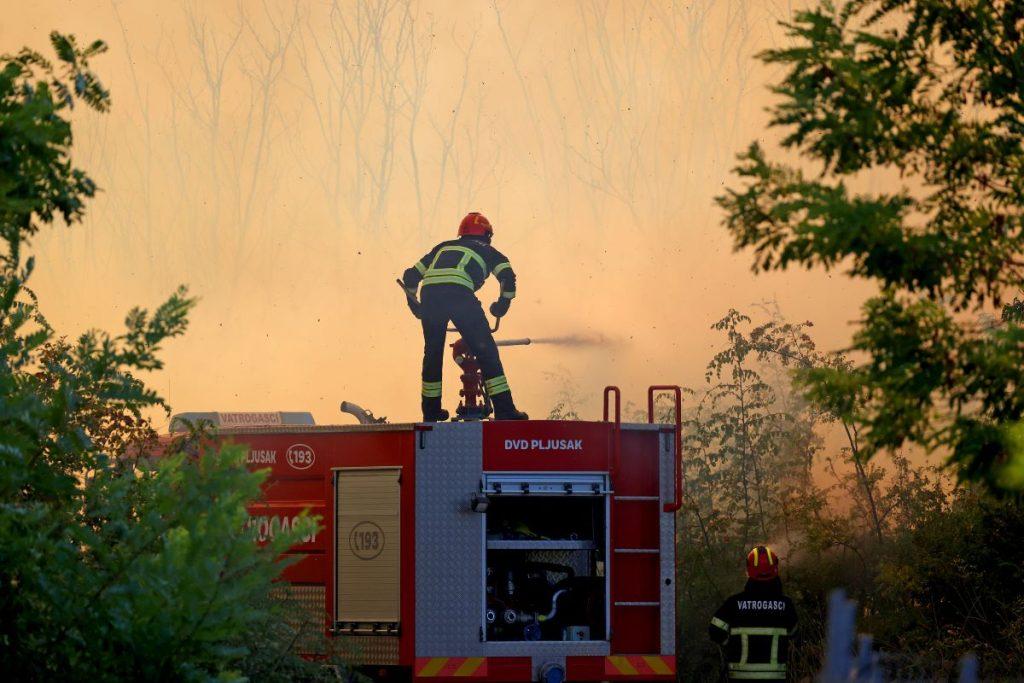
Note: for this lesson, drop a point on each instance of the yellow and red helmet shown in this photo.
(475, 224)
(762, 564)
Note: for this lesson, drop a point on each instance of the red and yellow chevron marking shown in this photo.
(639, 665)
(449, 667)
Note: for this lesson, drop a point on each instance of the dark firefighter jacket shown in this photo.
(755, 627)
(466, 261)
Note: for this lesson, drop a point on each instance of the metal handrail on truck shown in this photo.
(676, 439)
(677, 502)
(617, 445)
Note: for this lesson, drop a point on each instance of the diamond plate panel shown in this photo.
(303, 612)
(667, 532)
(367, 650)
(449, 541)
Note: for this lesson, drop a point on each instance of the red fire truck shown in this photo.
(491, 551)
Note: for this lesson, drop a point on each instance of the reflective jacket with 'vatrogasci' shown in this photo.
(755, 628)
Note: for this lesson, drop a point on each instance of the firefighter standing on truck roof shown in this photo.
(450, 274)
(755, 626)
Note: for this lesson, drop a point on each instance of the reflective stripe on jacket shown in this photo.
(466, 261)
(755, 627)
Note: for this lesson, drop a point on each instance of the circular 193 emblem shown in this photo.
(366, 540)
(300, 456)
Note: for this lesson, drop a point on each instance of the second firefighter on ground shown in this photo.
(448, 277)
(755, 626)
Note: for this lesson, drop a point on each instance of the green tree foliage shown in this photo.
(926, 91)
(736, 429)
(748, 448)
(936, 570)
(111, 567)
(953, 585)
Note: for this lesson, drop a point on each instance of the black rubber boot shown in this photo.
(432, 410)
(505, 408)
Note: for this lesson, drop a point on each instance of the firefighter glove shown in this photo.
(500, 307)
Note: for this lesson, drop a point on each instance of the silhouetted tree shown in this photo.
(929, 92)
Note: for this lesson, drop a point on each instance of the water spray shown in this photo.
(576, 340)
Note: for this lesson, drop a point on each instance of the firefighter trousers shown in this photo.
(439, 304)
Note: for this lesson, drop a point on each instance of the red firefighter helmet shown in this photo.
(475, 224)
(762, 564)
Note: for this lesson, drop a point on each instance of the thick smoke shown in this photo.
(314, 176)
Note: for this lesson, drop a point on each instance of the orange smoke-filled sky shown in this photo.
(287, 160)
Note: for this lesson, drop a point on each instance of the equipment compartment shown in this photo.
(545, 567)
